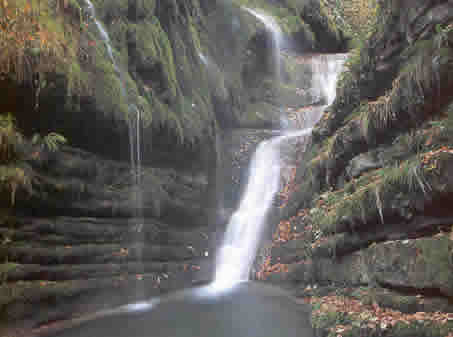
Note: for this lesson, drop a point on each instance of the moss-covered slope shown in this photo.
(371, 206)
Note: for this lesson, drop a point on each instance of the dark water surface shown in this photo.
(247, 310)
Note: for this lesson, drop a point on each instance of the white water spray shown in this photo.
(244, 230)
(326, 69)
(203, 59)
(276, 35)
(104, 35)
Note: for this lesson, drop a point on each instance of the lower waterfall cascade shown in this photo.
(246, 225)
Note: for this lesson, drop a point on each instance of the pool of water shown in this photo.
(245, 310)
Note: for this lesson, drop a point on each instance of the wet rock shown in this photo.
(409, 302)
(418, 264)
(414, 264)
(363, 163)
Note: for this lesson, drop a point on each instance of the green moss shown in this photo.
(425, 329)
(371, 194)
(327, 319)
(5, 268)
(109, 91)
(435, 255)
(154, 44)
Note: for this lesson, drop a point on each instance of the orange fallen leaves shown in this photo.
(373, 315)
(429, 155)
(267, 268)
(288, 189)
(286, 229)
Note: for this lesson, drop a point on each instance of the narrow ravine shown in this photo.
(192, 168)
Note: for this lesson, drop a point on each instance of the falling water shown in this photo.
(325, 69)
(244, 229)
(277, 40)
(276, 35)
(104, 35)
(203, 59)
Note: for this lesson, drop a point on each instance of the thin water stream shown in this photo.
(134, 126)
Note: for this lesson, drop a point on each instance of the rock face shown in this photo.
(372, 193)
(73, 236)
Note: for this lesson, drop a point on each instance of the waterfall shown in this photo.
(104, 35)
(244, 229)
(242, 237)
(276, 35)
(325, 69)
(203, 59)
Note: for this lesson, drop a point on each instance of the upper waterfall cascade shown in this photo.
(276, 34)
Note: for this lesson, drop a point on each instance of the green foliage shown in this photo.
(324, 319)
(443, 35)
(13, 173)
(11, 179)
(368, 196)
(415, 91)
(408, 176)
(376, 116)
(51, 142)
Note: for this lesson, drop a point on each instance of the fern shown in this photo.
(407, 176)
(51, 142)
(11, 179)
